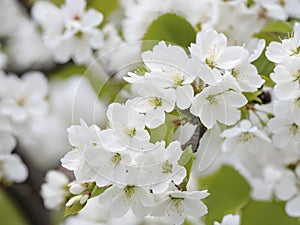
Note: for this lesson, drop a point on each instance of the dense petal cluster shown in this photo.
(70, 26)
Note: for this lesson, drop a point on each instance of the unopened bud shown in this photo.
(77, 189)
(84, 198)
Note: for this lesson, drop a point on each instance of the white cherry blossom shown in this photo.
(288, 48)
(218, 103)
(53, 191)
(175, 206)
(174, 69)
(127, 128)
(23, 98)
(287, 78)
(70, 26)
(121, 199)
(154, 103)
(244, 136)
(215, 56)
(159, 166)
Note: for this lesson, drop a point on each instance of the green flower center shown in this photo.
(167, 167)
(293, 129)
(245, 137)
(129, 190)
(155, 101)
(116, 158)
(212, 100)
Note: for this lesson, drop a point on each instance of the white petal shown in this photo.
(231, 57)
(292, 207)
(285, 189)
(92, 18)
(120, 206)
(275, 52)
(7, 143)
(155, 117)
(209, 148)
(109, 195)
(195, 207)
(184, 96)
(14, 168)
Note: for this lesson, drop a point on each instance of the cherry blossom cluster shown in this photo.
(147, 177)
(72, 26)
(20, 101)
(224, 16)
(264, 145)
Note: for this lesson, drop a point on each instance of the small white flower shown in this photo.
(154, 104)
(287, 79)
(12, 169)
(23, 98)
(229, 220)
(285, 131)
(54, 190)
(288, 48)
(81, 136)
(247, 76)
(109, 166)
(127, 128)
(177, 205)
(120, 200)
(158, 166)
(68, 27)
(212, 51)
(243, 137)
(75, 161)
(171, 67)
(218, 103)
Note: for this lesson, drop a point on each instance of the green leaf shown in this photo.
(98, 191)
(110, 89)
(186, 156)
(158, 134)
(10, 214)
(269, 82)
(229, 192)
(266, 213)
(171, 28)
(74, 208)
(186, 160)
(67, 70)
(263, 65)
(58, 2)
(253, 96)
(275, 31)
(166, 130)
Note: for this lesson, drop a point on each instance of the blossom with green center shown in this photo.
(177, 205)
(294, 129)
(167, 167)
(155, 101)
(120, 199)
(243, 137)
(116, 158)
(129, 191)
